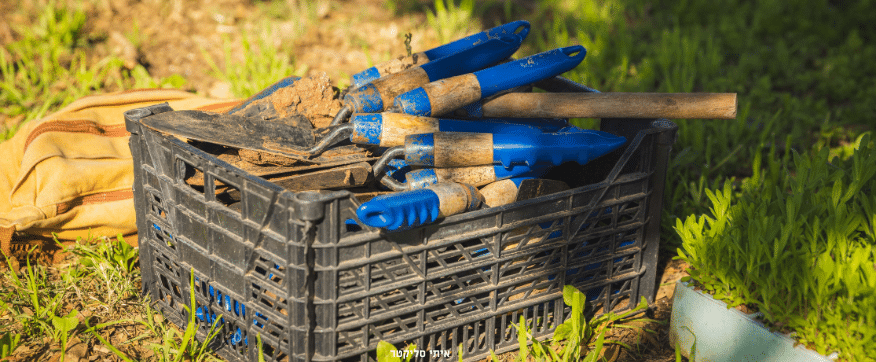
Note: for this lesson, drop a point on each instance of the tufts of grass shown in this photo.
(32, 299)
(580, 338)
(577, 338)
(46, 68)
(452, 21)
(262, 64)
(167, 342)
(95, 295)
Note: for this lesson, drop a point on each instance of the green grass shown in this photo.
(451, 20)
(46, 67)
(40, 306)
(261, 64)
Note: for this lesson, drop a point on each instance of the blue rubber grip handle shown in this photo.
(445, 95)
(370, 74)
(520, 171)
(408, 209)
(556, 148)
(467, 42)
(400, 209)
(480, 56)
(369, 98)
(529, 70)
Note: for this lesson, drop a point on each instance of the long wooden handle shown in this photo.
(613, 105)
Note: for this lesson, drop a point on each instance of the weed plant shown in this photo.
(451, 20)
(799, 247)
(576, 339)
(42, 307)
(261, 66)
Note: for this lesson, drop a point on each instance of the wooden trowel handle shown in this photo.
(613, 105)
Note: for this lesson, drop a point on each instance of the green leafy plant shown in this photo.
(798, 246)
(63, 326)
(115, 252)
(8, 344)
(386, 352)
(110, 262)
(576, 336)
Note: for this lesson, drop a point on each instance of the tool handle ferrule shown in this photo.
(422, 178)
(449, 149)
(364, 77)
(440, 97)
(367, 128)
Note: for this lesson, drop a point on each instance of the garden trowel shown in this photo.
(292, 136)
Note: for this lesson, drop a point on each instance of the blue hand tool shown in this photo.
(519, 27)
(455, 149)
(448, 94)
(377, 95)
(409, 209)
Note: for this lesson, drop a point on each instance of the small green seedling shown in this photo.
(576, 336)
(386, 352)
(63, 326)
(8, 344)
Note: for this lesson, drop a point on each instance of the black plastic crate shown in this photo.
(289, 266)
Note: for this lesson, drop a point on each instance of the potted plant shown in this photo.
(793, 249)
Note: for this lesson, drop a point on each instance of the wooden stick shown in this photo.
(613, 105)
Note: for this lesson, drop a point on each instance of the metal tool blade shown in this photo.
(288, 136)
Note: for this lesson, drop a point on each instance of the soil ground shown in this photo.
(339, 39)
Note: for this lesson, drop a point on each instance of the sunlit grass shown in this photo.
(261, 65)
(46, 67)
